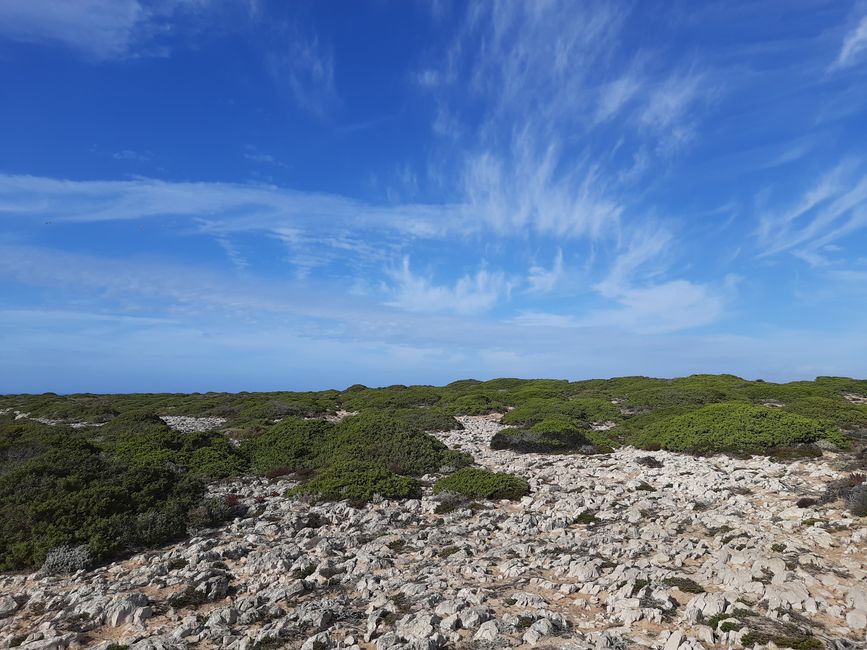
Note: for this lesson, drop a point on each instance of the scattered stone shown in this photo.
(588, 560)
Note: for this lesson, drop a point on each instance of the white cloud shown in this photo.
(617, 94)
(309, 72)
(527, 191)
(253, 155)
(128, 155)
(854, 45)
(470, 294)
(101, 28)
(543, 280)
(831, 209)
(666, 307)
(646, 245)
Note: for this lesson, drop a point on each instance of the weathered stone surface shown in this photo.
(537, 572)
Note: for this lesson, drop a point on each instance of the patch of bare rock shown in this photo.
(187, 424)
(608, 551)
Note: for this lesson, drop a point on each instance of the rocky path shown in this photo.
(627, 549)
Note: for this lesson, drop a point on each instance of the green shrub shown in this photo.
(424, 419)
(72, 494)
(480, 403)
(390, 442)
(734, 427)
(686, 585)
(293, 444)
(583, 410)
(358, 481)
(214, 511)
(476, 483)
(530, 442)
(840, 412)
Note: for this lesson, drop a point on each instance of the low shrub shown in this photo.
(358, 481)
(189, 597)
(391, 442)
(837, 410)
(215, 511)
(686, 585)
(71, 494)
(64, 560)
(550, 442)
(734, 427)
(475, 483)
(857, 500)
(578, 410)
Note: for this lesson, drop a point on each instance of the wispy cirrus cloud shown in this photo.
(100, 30)
(826, 212)
(542, 279)
(474, 293)
(854, 45)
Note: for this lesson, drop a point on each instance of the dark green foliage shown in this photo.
(133, 482)
(586, 517)
(189, 597)
(524, 441)
(476, 483)
(734, 427)
(68, 492)
(795, 639)
(578, 411)
(424, 419)
(556, 434)
(379, 450)
(687, 585)
(215, 511)
(479, 403)
(142, 438)
(391, 442)
(836, 410)
(358, 481)
(292, 444)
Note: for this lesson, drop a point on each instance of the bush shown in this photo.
(578, 410)
(215, 511)
(64, 560)
(840, 412)
(476, 483)
(69, 493)
(388, 441)
(734, 427)
(857, 500)
(480, 403)
(358, 481)
(531, 442)
(291, 445)
(686, 585)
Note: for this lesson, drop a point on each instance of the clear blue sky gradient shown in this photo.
(249, 195)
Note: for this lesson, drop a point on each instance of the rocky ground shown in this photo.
(627, 549)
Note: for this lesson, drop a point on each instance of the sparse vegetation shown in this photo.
(735, 427)
(358, 481)
(136, 483)
(857, 500)
(686, 585)
(481, 484)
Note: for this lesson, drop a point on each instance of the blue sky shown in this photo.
(251, 195)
